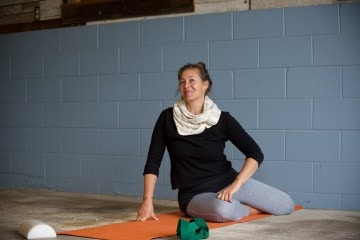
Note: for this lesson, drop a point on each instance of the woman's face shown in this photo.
(192, 87)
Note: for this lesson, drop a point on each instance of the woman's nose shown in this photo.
(187, 84)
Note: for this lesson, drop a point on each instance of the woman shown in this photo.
(194, 131)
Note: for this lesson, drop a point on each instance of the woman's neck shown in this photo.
(195, 107)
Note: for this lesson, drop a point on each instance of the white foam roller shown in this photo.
(32, 229)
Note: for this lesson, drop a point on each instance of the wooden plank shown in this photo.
(18, 8)
(39, 25)
(15, 2)
(119, 9)
(18, 18)
(50, 9)
(214, 6)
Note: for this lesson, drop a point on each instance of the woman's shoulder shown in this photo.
(224, 115)
(166, 113)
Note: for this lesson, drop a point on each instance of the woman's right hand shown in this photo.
(146, 211)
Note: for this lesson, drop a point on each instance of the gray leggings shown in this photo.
(253, 193)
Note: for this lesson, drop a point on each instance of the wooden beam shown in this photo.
(74, 13)
(33, 26)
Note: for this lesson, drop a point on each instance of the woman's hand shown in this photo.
(146, 211)
(227, 193)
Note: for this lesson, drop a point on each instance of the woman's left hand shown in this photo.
(227, 193)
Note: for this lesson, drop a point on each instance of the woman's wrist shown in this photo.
(147, 198)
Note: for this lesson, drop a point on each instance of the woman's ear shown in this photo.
(206, 84)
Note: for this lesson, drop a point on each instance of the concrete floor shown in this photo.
(67, 211)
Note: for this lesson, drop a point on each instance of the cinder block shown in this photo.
(313, 146)
(14, 180)
(66, 167)
(351, 81)
(317, 200)
(350, 202)
(162, 31)
(43, 90)
(12, 139)
(176, 56)
(258, 24)
(271, 142)
(168, 104)
(79, 38)
(145, 139)
(117, 188)
(152, 86)
(62, 64)
(350, 18)
(44, 41)
(13, 44)
(61, 115)
(235, 54)
(79, 89)
(141, 59)
(5, 68)
(310, 20)
(132, 114)
(4, 115)
(80, 141)
(336, 50)
(244, 111)
(30, 164)
(301, 180)
(285, 114)
(132, 169)
(223, 85)
(337, 178)
(13, 91)
(337, 114)
(221, 27)
(5, 162)
(119, 87)
(44, 140)
(95, 62)
(100, 168)
(122, 142)
(264, 83)
(26, 115)
(121, 34)
(99, 115)
(285, 52)
(30, 66)
(74, 185)
(350, 146)
(310, 82)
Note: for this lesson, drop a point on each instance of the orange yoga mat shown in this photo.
(164, 227)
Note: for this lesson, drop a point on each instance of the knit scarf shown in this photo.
(190, 124)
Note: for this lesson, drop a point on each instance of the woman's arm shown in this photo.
(146, 209)
(249, 168)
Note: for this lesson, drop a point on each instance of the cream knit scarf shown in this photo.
(190, 124)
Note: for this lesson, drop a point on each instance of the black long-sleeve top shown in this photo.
(198, 162)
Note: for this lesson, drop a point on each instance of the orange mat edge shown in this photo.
(164, 227)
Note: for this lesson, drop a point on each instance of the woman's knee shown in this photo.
(216, 210)
(286, 207)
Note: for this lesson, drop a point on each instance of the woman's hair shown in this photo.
(201, 67)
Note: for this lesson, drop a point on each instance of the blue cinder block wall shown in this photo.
(77, 105)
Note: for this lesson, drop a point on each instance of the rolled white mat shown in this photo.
(31, 229)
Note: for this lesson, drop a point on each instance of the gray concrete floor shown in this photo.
(67, 211)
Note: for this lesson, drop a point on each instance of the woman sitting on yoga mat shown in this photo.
(194, 131)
